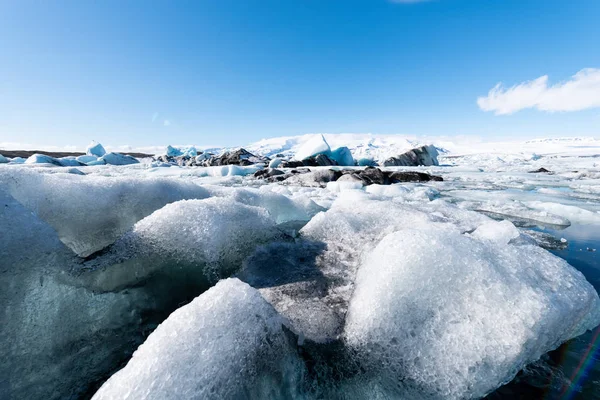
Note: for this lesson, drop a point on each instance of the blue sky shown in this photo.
(231, 72)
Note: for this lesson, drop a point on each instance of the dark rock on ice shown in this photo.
(237, 157)
(424, 155)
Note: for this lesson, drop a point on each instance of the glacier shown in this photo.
(140, 281)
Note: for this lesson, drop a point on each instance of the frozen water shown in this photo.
(228, 343)
(56, 338)
(3, 160)
(447, 302)
(95, 149)
(456, 317)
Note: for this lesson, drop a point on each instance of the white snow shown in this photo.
(228, 343)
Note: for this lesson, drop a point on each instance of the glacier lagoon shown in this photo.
(415, 290)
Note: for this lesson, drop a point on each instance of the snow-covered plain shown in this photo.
(410, 290)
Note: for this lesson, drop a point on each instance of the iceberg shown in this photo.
(3, 160)
(95, 149)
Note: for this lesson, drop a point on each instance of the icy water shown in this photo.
(573, 370)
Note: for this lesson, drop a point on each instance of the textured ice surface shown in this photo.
(95, 149)
(56, 338)
(3, 160)
(228, 343)
(91, 212)
(456, 317)
(205, 239)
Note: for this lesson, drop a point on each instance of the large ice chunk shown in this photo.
(95, 149)
(3, 160)
(448, 316)
(205, 239)
(56, 339)
(228, 343)
(315, 145)
(91, 212)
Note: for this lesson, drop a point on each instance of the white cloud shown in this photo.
(581, 92)
(167, 122)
